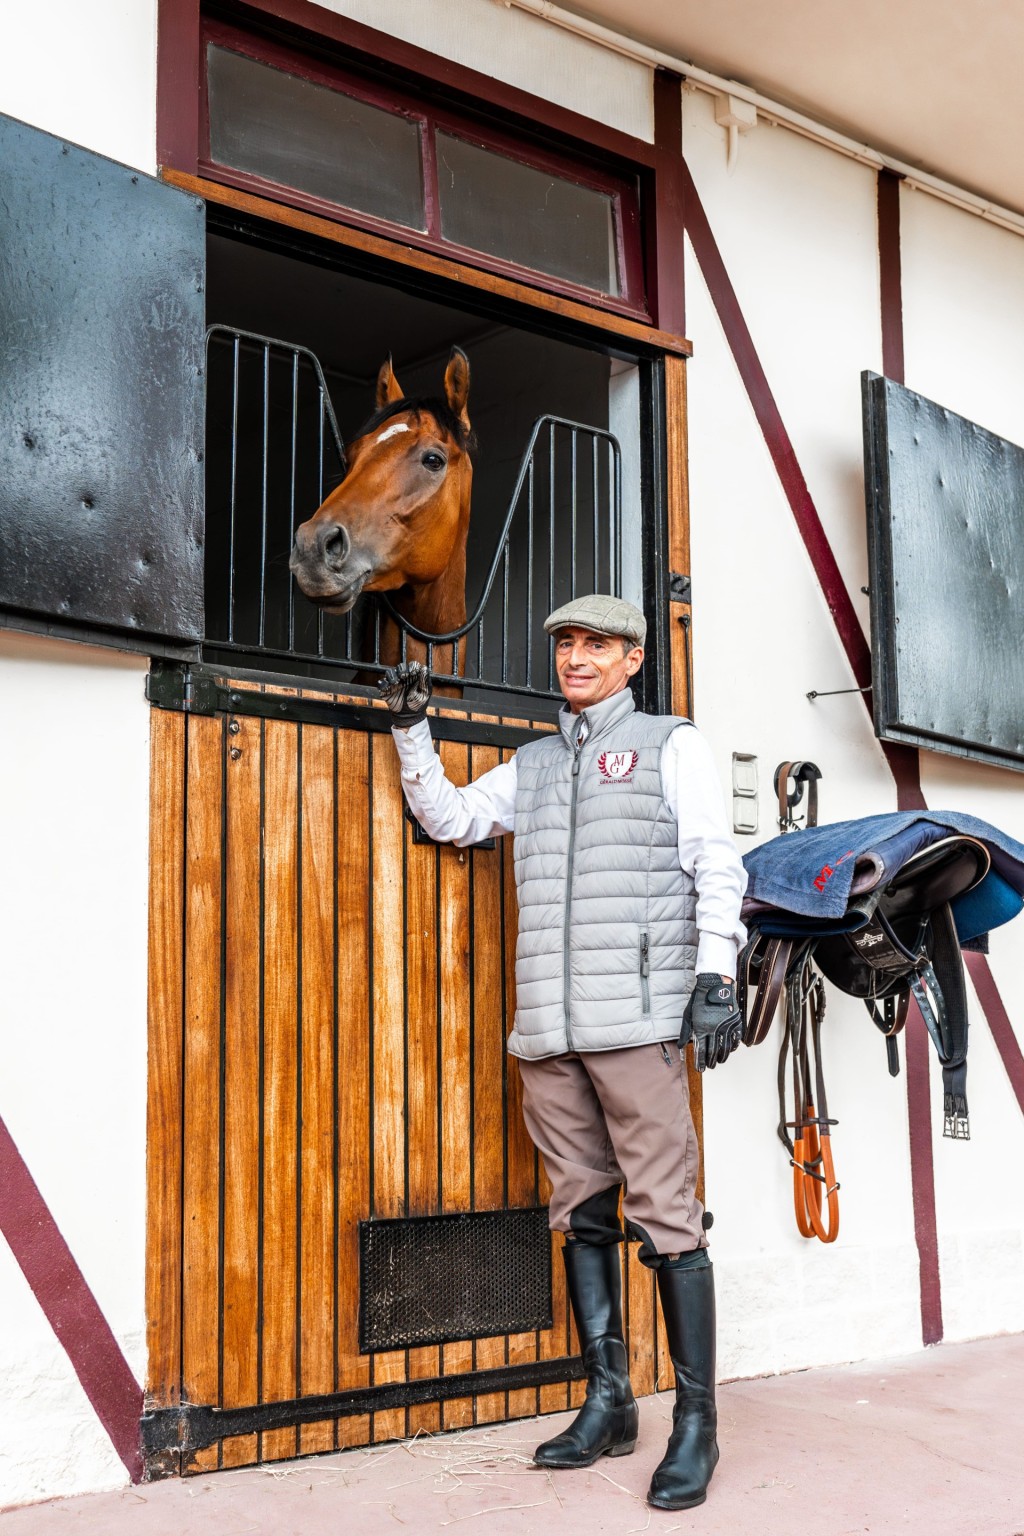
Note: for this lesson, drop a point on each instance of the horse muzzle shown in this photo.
(324, 566)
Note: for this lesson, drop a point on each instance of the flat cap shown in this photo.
(603, 614)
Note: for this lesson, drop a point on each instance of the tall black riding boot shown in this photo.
(607, 1423)
(687, 1289)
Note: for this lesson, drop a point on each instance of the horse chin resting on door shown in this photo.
(398, 521)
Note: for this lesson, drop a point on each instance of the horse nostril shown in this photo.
(336, 546)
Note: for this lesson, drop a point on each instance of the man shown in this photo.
(628, 884)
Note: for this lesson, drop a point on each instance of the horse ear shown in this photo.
(456, 385)
(388, 387)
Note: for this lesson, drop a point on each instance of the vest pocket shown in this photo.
(644, 957)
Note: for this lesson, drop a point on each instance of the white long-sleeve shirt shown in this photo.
(486, 808)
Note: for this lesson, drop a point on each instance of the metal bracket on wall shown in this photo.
(799, 773)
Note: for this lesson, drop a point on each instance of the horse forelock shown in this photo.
(450, 424)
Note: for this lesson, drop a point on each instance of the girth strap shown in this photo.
(810, 1148)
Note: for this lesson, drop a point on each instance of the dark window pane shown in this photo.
(320, 141)
(526, 216)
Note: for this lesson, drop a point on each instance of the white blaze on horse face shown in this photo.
(398, 426)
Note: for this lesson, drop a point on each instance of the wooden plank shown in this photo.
(638, 1298)
(421, 885)
(389, 1117)
(695, 1083)
(164, 1082)
(280, 1085)
(241, 1081)
(352, 885)
(521, 1158)
(438, 266)
(317, 1292)
(677, 472)
(488, 1048)
(201, 1099)
(456, 1100)
(556, 1340)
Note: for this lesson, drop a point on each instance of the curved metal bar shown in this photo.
(524, 468)
(289, 346)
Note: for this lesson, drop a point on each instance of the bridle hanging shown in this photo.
(815, 1187)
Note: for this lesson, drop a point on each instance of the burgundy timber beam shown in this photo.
(666, 292)
(890, 275)
(69, 1305)
(1003, 1033)
(905, 763)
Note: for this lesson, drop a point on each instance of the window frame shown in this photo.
(623, 188)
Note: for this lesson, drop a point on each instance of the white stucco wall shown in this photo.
(796, 225)
(520, 50)
(74, 770)
(85, 71)
(796, 229)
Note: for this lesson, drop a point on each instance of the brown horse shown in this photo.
(398, 521)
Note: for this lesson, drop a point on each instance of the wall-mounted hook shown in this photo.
(799, 773)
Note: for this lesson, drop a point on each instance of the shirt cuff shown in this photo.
(716, 956)
(415, 745)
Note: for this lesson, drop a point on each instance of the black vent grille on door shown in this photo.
(438, 1279)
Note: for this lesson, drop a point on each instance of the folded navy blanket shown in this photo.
(811, 872)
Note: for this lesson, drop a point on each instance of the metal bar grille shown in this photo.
(274, 451)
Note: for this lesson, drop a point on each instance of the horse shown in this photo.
(398, 521)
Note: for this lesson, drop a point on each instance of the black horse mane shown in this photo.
(429, 405)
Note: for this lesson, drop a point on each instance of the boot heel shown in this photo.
(625, 1449)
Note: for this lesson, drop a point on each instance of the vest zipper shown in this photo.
(645, 971)
(577, 749)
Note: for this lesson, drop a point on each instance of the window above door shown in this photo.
(310, 132)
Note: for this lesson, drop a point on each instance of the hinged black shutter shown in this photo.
(945, 505)
(102, 315)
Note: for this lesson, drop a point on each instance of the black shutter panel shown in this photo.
(102, 317)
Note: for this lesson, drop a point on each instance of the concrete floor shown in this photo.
(931, 1444)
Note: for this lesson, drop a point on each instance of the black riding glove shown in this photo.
(406, 692)
(712, 1021)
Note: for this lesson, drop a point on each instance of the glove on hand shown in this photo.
(406, 692)
(712, 1020)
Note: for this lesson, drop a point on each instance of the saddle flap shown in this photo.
(935, 875)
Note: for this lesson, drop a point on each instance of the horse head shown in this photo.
(398, 521)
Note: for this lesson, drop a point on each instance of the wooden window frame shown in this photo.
(475, 98)
(620, 187)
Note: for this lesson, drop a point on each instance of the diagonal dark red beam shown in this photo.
(998, 1022)
(70, 1307)
(775, 435)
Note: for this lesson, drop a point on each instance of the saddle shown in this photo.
(895, 941)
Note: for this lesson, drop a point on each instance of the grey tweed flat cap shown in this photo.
(603, 614)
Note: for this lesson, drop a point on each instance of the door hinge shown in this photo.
(678, 588)
(174, 685)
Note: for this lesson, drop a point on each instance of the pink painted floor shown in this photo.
(931, 1445)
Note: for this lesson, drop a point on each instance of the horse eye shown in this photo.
(433, 461)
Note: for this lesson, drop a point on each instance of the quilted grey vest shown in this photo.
(607, 925)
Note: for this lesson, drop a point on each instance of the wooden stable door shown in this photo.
(329, 1006)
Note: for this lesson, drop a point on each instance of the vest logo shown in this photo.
(617, 767)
